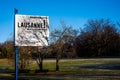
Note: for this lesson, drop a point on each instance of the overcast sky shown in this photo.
(72, 12)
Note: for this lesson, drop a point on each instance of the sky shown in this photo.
(73, 13)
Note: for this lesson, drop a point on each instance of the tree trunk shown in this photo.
(41, 65)
(22, 64)
(57, 63)
(40, 62)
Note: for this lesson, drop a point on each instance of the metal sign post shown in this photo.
(16, 62)
(16, 49)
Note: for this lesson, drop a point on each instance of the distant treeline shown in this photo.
(98, 38)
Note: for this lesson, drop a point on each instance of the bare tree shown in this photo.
(60, 38)
(57, 45)
(24, 57)
(38, 53)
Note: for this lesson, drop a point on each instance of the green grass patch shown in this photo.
(4, 62)
(75, 65)
(76, 69)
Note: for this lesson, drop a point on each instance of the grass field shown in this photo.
(70, 69)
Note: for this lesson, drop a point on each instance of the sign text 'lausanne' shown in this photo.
(31, 30)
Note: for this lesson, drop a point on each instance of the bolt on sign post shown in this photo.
(29, 30)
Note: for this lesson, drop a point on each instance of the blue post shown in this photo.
(16, 49)
(16, 62)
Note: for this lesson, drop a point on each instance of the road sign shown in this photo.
(31, 30)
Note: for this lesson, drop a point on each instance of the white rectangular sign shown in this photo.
(31, 30)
